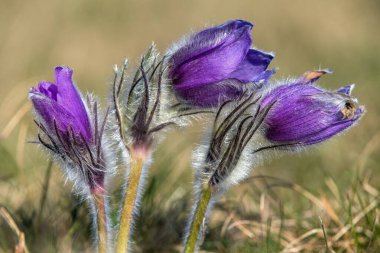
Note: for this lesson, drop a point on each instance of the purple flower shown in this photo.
(217, 64)
(60, 104)
(305, 114)
(67, 131)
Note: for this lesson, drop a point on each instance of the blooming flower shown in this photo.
(63, 118)
(61, 103)
(217, 64)
(305, 114)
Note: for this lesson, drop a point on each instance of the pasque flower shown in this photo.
(140, 106)
(61, 103)
(290, 114)
(66, 123)
(305, 114)
(75, 138)
(217, 64)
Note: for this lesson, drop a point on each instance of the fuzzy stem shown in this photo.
(197, 220)
(101, 218)
(130, 202)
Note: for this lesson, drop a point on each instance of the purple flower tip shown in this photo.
(60, 105)
(346, 89)
(217, 64)
(304, 114)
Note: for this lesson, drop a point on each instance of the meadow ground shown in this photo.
(324, 200)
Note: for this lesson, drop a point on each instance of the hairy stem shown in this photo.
(197, 220)
(130, 202)
(101, 218)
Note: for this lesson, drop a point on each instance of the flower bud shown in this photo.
(217, 64)
(61, 103)
(305, 114)
(68, 132)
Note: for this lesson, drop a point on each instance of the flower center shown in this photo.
(349, 109)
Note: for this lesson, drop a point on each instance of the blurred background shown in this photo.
(322, 200)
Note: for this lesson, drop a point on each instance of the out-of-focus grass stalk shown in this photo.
(101, 218)
(12, 123)
(130, 201)
(45, 189)
(197, 220)
(21, 246)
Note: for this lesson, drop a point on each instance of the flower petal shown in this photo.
(70, 99)
(211, 94)
(287, 91)
(206, 40)
(264, 76)
(329, 132)
(346, 89)
(254, 63)
(213, 63)
(48, 89)
(49, 111)
(307, 115)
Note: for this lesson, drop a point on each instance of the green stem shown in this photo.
(197, 220)
(101, 217)
(130, 201)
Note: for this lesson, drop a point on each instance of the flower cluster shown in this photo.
(216, 71)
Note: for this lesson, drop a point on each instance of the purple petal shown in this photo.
(206, 40)
(328, 132)
(306, 114)
(286, 92)
(264, 76)
(346, 89)
(48, 89)
(70, 99)
(253, 65)
(217, 57)
(49, 110)
(217, 62)
(211, 94)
